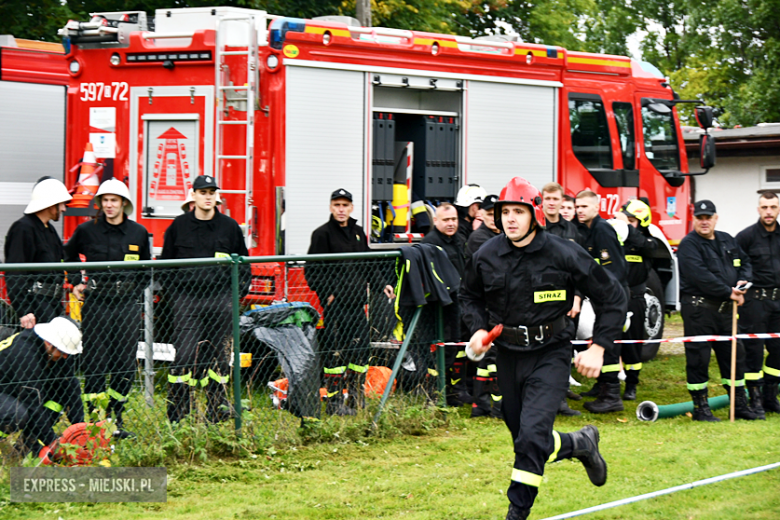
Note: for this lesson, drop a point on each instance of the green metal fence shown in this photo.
(264, 344)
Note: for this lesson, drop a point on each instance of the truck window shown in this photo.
(624, 117)
(589, 131)
(660, 139)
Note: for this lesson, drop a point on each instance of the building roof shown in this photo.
(763, 139)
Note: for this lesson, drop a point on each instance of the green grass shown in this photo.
(461, 470)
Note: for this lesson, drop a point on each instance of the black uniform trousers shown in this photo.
(700, 321)
(758, 316)
(201, 324)
(110, 327)
(611, 367)
(632, 352)
(343, 341)
(46, 308)
(533, 384)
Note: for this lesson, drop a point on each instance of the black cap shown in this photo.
(489, 202)
(704, 207)
(341, 193)
(204, 182)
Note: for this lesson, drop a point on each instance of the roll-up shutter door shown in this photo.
(325, 148)
(32, 144)
(510, 132)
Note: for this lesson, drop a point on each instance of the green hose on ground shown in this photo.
(649, 411)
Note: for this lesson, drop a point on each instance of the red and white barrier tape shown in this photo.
(685, 339)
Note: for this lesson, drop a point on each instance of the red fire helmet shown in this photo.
(520, 191)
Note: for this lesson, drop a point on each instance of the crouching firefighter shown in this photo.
(111, 313)
(33, 376)
(525, 280)
(201, 301)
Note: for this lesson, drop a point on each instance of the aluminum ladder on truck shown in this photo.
(251, 90)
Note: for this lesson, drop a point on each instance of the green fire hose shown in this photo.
(649, 411)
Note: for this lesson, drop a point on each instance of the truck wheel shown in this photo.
(654, 316)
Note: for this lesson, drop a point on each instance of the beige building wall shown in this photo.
(733, 186)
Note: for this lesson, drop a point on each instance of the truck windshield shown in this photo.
(660, 139)
(589, 131)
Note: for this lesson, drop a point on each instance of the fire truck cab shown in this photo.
(283, 111)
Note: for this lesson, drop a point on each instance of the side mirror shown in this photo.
(706, 147)
(659, 108)
(704, 117)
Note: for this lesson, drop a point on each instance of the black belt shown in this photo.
(47, 290)
(764, 293)
(713, 305)
(525, 336)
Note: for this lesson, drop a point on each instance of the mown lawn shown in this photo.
(462, 469)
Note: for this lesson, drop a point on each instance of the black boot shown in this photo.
(218, 408)
(741, 408)
(178, 401)
(756, 398)
(335, 401)
(593, 392)
(608, 400)
(701, 407)
(573, 396)
(481, 405)
(585, 448)
(121, 432)
(563, 409)
(515, 513)
(629, 394)
(356, 390)
(770, 396)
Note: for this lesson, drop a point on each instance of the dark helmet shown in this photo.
(520, 191)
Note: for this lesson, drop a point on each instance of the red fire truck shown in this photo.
(33, 80)
(282, 111)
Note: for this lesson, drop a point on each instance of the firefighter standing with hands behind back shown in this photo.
(525, 279)
(602, 243)
(111, 314)
(712, 267)
(201, 321)
(761, 313)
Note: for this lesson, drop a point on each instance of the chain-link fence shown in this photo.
(258, 344)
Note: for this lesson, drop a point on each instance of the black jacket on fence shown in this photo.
(453, 245)
(425, 274)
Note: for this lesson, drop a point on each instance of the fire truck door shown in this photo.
(175, 126)
(325, 123)
(510, 130)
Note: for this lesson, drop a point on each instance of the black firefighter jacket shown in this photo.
(425, 274)
(535, 285)
(710, 268)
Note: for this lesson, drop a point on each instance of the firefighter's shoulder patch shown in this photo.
(605, 256)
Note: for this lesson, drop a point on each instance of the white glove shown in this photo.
(471, 355)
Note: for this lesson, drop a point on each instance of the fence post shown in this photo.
(149, 341)
(397, 364)
(236, 338)
(440, 363)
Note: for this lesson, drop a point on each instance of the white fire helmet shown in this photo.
(115, 187)
(45, 194)
(62, 333)
(470, 194)
(185, 207)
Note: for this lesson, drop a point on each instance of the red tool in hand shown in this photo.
(493, 334)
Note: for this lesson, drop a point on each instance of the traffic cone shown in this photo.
(88, 182)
